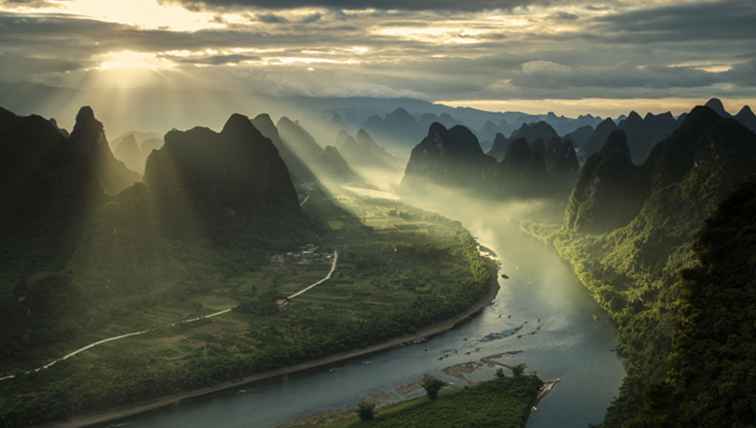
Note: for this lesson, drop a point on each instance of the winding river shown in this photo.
(541, 310)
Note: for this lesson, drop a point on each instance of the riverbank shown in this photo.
(168, 401)
(502, 402)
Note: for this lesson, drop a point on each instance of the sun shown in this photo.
(130, 60)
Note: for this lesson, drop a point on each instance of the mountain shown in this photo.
(448, 158)
(746, 118)
(719, 301)
(488, 133)
(523, 170)
(129, 152)
(204, 181)
(609, 191)
(325, 163)
(636, 271)
(532, 132)
(597, 140)
(580, 137)
(561, 159)
(398, 128)
(452, 158)
(300, 172)
(363, 152)
(54, 181)
(715, 105)
(536, 134)
(500, 147)
(644, 133)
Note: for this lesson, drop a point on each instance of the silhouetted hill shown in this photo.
(300, 172)
(644, 133)
(597, 140)
(580, 137)
(746, 118)
(129, 152)
(209, 181)
(52, 177)
(533, 132)
(715, 105)
(452, 158)
(363, 152)
(449, 158)
(523, 169)
(561, 159)
(500, 147)
(609, 191)
(325, 163)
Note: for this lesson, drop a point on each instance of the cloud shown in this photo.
(271, 18)
(561, 49)
(410, 5)
(709, 20)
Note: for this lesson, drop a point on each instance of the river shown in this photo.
(572, 339)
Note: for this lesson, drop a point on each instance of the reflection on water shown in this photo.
(541, 317)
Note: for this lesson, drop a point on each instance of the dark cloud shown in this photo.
(712, 20)
(272, 18)
(211, 59)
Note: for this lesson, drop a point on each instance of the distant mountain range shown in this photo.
(452, 159)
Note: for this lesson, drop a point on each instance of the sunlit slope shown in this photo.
(629, 240)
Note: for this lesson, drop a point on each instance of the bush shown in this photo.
(518, 370)
(366, 410)
(432, 386)
(500, 373)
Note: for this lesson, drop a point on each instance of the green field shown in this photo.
(399, 269)
(500, 403)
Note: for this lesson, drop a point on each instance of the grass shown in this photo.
(396, 274)
(501, 403)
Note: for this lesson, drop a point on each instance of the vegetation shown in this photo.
(685, 316)
(682, 330)
(504, 402)
(395, 274)
(366, 410)
(519, 370)
(432, 386)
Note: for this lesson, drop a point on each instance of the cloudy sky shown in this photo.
(568, 56)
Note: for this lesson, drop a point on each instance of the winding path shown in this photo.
(177, 323)
(322, 280)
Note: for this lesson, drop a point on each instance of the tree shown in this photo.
(519, 370)
(366, 410)
(432, 386)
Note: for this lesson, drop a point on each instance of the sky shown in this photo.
(568, 56)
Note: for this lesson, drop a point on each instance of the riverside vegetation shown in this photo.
(667, 250)
(504, 402)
